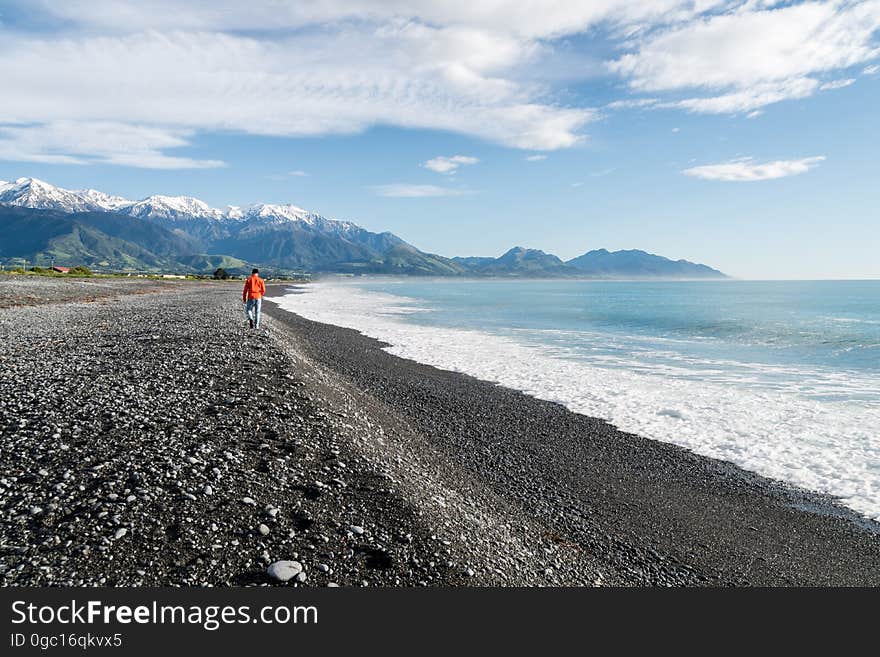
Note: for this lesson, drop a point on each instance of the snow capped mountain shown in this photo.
(268, 214)
(278, 213)
(34, 193)
(171, 207)
(234, 212)
(102, 201)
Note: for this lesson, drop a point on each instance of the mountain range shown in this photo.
(41, 223)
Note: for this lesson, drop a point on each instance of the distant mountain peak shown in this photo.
(634, 263)
(38, 194)
(160, 206)
(518, 261)
(22, 183)
(279, 213)
(41, 195)
(520, 252)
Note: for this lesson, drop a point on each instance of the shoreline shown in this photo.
(152, 440)
(724, 404)
(737, 513)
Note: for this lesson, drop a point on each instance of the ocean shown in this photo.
(780, 378)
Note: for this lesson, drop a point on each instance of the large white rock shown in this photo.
(284, 570)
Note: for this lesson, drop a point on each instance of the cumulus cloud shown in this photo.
(747, 170)
(751, 55)
(405, 190)
(448, 165)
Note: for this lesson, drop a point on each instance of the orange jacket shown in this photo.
(254, 288)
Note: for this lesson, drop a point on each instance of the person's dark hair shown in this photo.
(255, 271)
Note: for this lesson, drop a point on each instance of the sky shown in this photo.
(738, 133)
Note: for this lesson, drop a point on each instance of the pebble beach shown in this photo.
(148, 438)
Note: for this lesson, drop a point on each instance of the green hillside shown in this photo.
(205, 263)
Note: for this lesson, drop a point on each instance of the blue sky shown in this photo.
(739, 133)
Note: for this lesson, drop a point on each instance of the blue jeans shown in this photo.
(253, 311)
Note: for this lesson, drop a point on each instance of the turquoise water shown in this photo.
(803, 326)
(782, 378)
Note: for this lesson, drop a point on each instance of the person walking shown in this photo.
(254, 289)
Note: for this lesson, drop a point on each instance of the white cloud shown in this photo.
(784, 43)
(288, 175)
(750, 99)
(71, 142)
(333, 79)
(535, 158)
(752, 56)
(871, 70)
(522, 18)
(489, 69)
(448, 165)
(837, 84)
(632, 103)
(404, 190)
(747, 170)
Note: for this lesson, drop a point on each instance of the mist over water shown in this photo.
(782, 378)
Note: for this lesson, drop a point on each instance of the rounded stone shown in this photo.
(284, 571)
